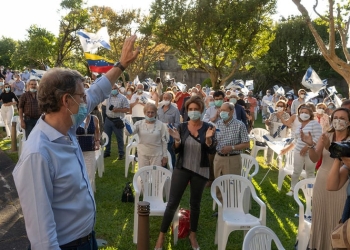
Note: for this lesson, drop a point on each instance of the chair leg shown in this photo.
(214, 205)
(223, 237)
(136, 223)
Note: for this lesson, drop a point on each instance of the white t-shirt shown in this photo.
(137, 110)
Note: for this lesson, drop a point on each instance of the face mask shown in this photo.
(218, 103)
(268, 94)
(32, 90)
(320, 111)
(302, 96)
(233, 101)
(211, 104)
(139, 91)
(7, 89)
(114, 92)
(194, 115)
(26, 71)
(224, 115)
(1, 83)
(279, 109)
(128, 93)
(339, 124)
(304, 117)
(79, 117)
(166, 103)
(150, 119)
(331, 107)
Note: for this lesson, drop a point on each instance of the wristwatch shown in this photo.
(119, 65)
(233, 147)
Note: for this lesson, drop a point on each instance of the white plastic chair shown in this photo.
(150, 182)
(258, 134)
(304, 227)
(100, 163)
(247, 163)
(231, 215)
(286, 167)
(260, 238)
(130, 154)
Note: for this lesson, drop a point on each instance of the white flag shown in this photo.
(136, 80)
(181, 86)
(312, 81)
(91, 42)
(37, 74)
(337, 101)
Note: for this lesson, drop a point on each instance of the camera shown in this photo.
(340, 149)
(111, 107)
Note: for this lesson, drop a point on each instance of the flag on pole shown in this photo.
(98, 64)
(136, 80)
(312, 81)
(36, 74)
(181, 86)
(332, 90)
(337, 101)
(91, 41)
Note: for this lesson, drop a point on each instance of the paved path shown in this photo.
(12, 230)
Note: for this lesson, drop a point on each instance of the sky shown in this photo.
(44, 14)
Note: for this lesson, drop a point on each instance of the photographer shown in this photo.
(117, 105)
(325, 204)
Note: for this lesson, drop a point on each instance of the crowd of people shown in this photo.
(204, 131)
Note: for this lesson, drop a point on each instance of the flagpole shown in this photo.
(329, 95)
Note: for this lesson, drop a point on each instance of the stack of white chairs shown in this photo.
(286, 167)
(305, 213)
(149, 181)
(231, 215)
(260, 238)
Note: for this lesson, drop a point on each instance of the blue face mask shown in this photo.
(114, 92)
(224, 115)
(218, 103)
(79, 117)
(194, 115)
(211, 104)
(150, 119)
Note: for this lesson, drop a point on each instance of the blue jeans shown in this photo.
(109, 127)
(30, 123)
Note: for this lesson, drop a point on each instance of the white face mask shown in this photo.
(320, 111)
(339, 124)
(166, 103)
(302, 96)
(304, 117)
(279, 109)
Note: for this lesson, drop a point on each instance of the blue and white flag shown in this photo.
(312, 81)
(136, 80)
(332, 90)
(235, 84)
(37, 74)
(182, 87)
(280, 91)
(91, 42)
(310, 95)
(249, 84)
(337, 101)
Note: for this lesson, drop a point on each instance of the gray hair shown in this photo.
(231, 106)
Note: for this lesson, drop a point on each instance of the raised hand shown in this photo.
(307, 138)
(326, 141)
(174, 133)
(210, 132)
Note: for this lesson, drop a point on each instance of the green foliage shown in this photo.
(206, 82)
(7, 47)
(213, 35)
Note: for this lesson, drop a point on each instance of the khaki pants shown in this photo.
(145, 160)
(226, 165)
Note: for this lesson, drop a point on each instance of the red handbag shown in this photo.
(184, 223)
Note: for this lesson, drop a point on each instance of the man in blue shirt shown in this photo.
(51, 179)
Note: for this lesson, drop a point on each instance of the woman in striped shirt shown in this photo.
(301, 150)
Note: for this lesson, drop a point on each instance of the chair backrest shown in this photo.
(232, 188)
(248, 162)
(133, 140)
(258, 133)
(289, 160)
(306, 186)
(150, 181)
(105, 139)
(260, 238)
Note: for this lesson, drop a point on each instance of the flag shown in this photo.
(90, 41)
(275, 88)
(181, 86)
(331, 90)
(245, 90)
(310, 95)
(249, 84)
(337, 101)
(47, 67)
(136, 80)
(235, 84)
(36, 74)
(98, 64)
(312, 81)
(280, 91)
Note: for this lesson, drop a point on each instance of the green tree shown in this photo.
(7, 47)
(20, 57)
(337, 20)
(218, 36)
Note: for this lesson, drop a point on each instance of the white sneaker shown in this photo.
(290, 193)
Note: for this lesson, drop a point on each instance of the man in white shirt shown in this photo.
(268, 97)
(298, 101)
(137, 102)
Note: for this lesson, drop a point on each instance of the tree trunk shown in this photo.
(214, 76)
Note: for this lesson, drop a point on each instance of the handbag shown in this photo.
(184, 223)
(340, 237)
(128, 195)
(118, 123)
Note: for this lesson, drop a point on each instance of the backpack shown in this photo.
(128, 195)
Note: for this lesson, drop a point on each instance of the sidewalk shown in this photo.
(12, 229)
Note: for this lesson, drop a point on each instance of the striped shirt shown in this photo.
(119, 101)
(230, 134)
(313, 127)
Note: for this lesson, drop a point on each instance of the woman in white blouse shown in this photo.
(153, 138)
(301, 150)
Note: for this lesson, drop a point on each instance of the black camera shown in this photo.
(340, 149)
(111, 107)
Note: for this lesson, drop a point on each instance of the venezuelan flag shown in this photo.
(98, 64)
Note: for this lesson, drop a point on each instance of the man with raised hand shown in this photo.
(51, 178)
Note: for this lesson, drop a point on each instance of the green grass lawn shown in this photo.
(114, 222)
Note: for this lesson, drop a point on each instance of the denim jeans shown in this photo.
(109, 127)
(30, 123)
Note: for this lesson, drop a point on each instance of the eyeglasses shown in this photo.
(82, 96)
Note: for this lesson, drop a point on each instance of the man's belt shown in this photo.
(227, 154)
(78, 242)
